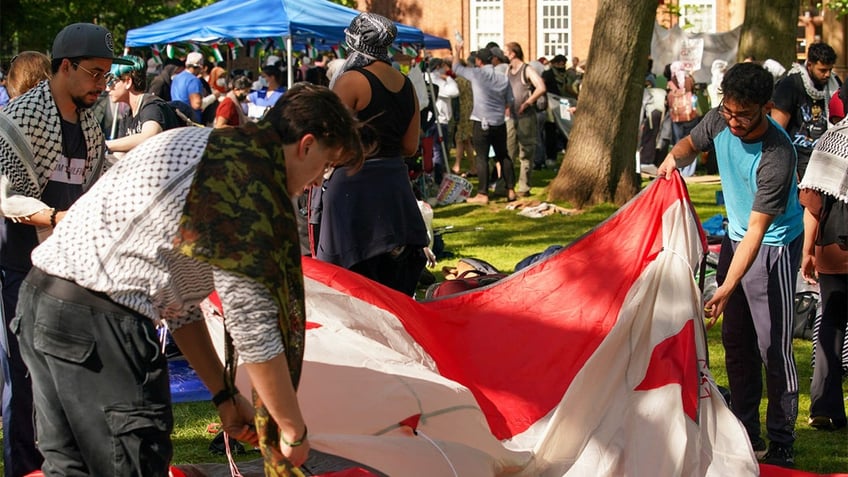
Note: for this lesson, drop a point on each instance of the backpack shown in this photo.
(807, 307)
(180, 113)
(681, 105)
(462, 283)
(170, 111)
(469, 273)
(541, 104)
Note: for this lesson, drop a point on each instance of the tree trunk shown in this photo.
(599, 164)
(769, 30)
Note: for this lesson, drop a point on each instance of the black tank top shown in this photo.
(386, 116)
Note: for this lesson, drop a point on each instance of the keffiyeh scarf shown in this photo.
(816, 94)
(827, 171)
(37, 119)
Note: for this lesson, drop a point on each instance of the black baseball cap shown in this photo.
(484, 55)
(499, 54)
(85, 40)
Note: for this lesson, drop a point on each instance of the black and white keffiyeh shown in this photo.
(368, 37)
(823, 94)
(37, 118)
(827, 171)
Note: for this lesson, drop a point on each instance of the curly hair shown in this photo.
(821, 53)
(748, 83)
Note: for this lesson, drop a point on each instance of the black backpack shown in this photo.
(182, 114)
(173, 117)
(807, 307)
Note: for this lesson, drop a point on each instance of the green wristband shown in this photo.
(295, 443)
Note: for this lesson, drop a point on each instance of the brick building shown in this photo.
(541, 27)
(550, 27)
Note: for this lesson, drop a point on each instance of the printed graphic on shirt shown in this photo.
(69, 171)
(813, 125)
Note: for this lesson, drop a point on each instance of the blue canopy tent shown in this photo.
(432, 42)
(244, 19)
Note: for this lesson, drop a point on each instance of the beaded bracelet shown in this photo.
(53, 218)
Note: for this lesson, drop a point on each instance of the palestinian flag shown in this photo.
(311, 50)
(157, 56)
(340, 51)
(409, 50)
(217, 53)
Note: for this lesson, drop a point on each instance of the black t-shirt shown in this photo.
(807, 121)
(63, 189)
(152, 109)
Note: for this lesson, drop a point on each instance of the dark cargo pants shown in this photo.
(100, 383)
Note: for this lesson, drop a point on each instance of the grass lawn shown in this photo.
(503, 238)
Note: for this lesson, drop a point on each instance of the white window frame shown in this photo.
(492, 12)
(698, 16)
(553, 35)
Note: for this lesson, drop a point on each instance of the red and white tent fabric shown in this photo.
(592, 362)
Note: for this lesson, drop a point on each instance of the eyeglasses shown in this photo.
(742, 120)
(96, 76)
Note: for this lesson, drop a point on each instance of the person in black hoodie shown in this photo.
(161, 84)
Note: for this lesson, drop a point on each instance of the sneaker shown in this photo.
(823, 423)
(760, 449)
(780, 455)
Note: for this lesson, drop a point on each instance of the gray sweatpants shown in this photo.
(756, 331)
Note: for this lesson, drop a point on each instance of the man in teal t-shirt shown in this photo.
(760, 254)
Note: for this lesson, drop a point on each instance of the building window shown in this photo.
(486, 22)
(554, 31)
(698, 16)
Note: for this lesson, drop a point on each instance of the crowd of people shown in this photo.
(93, 261)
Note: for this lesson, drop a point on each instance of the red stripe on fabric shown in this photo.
(518, 344)
(675, 361)
(357, 472)
(216, 300)
(767, 470)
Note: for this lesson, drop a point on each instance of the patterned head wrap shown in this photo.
(371, 34)
(368, 37)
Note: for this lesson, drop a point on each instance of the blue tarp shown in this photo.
(251, 19)
(185, 385)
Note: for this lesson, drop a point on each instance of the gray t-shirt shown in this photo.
(756, 176)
